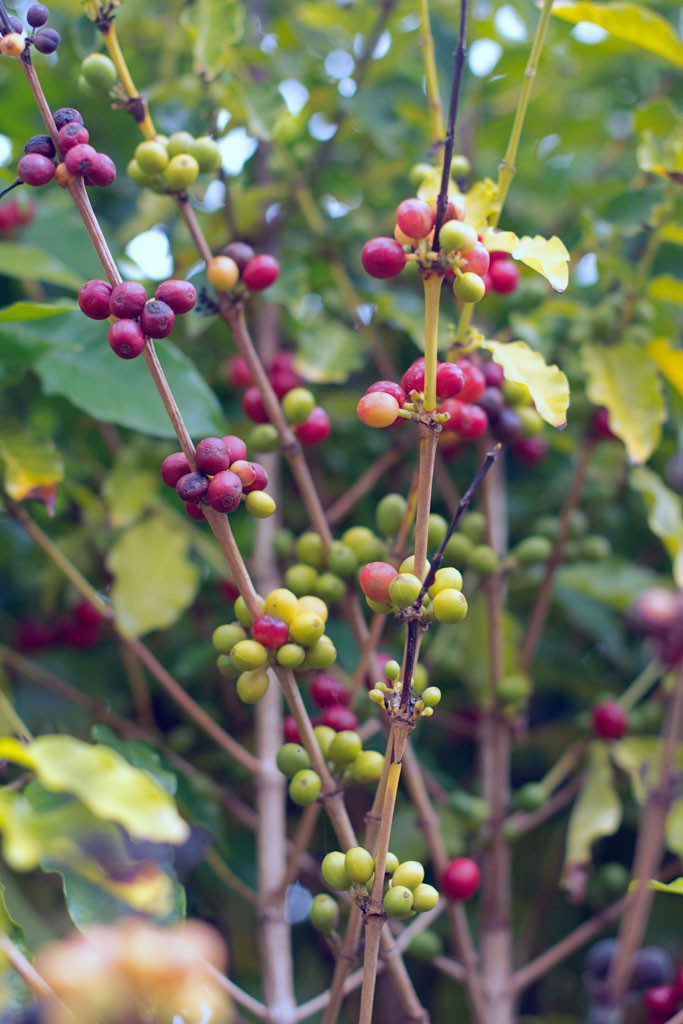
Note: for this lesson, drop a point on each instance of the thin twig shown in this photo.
(458, 68)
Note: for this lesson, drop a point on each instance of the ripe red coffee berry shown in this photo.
(475, 381)
(225, 491)
(237, 449)
(103, 173)
(261, 272)
(157, 319)
(241, 252)
(173, 467)
(661, 1002)
(260, 481)
(415, 218)
(194, 511)
(212, 455)
(126, 339)
(339, 718)
(316, 428)
(450, 380)
(600, 425)
(270, 631)
(127, 300)
(504, 276)
(290, 731)
(192, 486)
(238, 372)
(252, 403)
(477, 261)
(390, 388)
(609, 720)
(72, 134)
(65, 115)
(383, 258)
(460, 880)
(181, 296)
(283, 381)
(531, 450)
(328, 691)
(414, 377)
(35, 170)
(282, 362)
(94, 298)
(375, 578)
(81, 160)
(469, 421)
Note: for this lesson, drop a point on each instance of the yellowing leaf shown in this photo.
(669, 360)
(672, 233)
(674, 828)
(664, 514)
(547, 256)
(629, 23)
(675, 887)
(29, 462)
(499, 241)
(596, 813)
(479, 203)
(641, 758)
(154, 578)
(547, 385)
(104, 782)
(129, 490)
(430, 185)
(667, 289)
(624, 379)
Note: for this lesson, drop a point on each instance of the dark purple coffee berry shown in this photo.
(42, 144)
(507, 426)
(47, 40)
(72, 134)
(37, 15)
(157, 319)
(103, 173)
(34, 169)
(240, 252)
(225, 491)
(65, 115)
(126, 338)
(192, 486)
(16, 25)
(81, 160)
(127, 300)
(491, 401)
(94, 298)
(213, 456)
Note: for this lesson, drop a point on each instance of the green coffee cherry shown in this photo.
(252, 686)
(99, 72)
(455, 234)
(404, 589)
(378, 607)
(248, 654)
(445, 579)
(305, 787)
(578, 523)
(291, 655)
(283, 542)
(436, 530)
(398, 901)
(226, 667)
(431, 696)
(389, 514)
(364, 544)
(474, 526)
(418, 173)
(391, 863)
(532, 424)
(359, 864)
(301, 579)
(469, 287)
(181, 172)
(420, 678)
(368, 766)
(460, 166)
(321, 655)
(532, 549)
(408, 565)
(426, 945)
(514, 394)
(242, 613)
(547, 526)
(324, 913)
(292, 758)
(297, 406)
(449, 606)
(409, 873)
(85, 88)
(514, 688)
(259, 504)
(180, 143)
(138, 176)
(341, 560)
(595, 548)
(151, 156)
(345, 747)
(330, 588)
(264, 438)
(473, 808)
(334, 871)
(392, 670)
(457, 550)
(483, 560)
(225, 637)
(310, 549)
(425, 897)
(207, 154)
(324, 735)
(530, 797)
(306, 628)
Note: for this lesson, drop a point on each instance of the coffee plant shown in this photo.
(383, 719)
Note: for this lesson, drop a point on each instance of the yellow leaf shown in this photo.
(154, 579)
(547, 385)
(667, 289)
(624, 379)
(479, 203)
(30, 462)
(671, 233)
(430, 185)
(596, 813)
(664, 515)
(499, 241)
(675, 887)
(629, 23)
(669, 360)
(547, 256)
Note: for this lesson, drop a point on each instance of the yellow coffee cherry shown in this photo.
(223, 273)
(282, 604)
(12, 45)
(311, 603)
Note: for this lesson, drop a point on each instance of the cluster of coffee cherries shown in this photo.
(80, 627)
(222, 479)
(654, 982)
(14, 42)
(388, 694)
(345, 757)
(172, 164)
(289, 632)
(389, 590)
(317, 569)
(14, 216)
(581, 546)
(237, 270)
(658, 615)
(405, 891)
(385, 401)
(78, 159)
(135, 317)
(134, 969)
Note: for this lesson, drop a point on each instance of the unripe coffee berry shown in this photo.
(182, 171)
(404, 589)
(306, 627)
(222, 273)
(345, 747)
(261, 272)
(127, 300)
(469, 287)
(292, 758)
(324, 913)
(127, 340)
(425, 897)
(207, 154)
(304, 788)
(378, 409)
(446, 578)
(157, 319)
(226, 636)
(291, 655)
(224, 492)
(449, 606)
(398, 901)
(477, 260)
(259, 504)
(297, 405)
(367, 767)
(334, 871)
(359, 864)
(94, 299)
(409, 873)
(247, 655)
(324, 736)
(252, 686)
(456, 235)
(99, 72)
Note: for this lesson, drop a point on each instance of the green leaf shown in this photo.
(154, 579)
(92, 898)
(105, 783)
(597, 811)
(613, 582)
(20, 350)
(29, 462)
(129, 490)
(641, 758)
(82, 368)
(27, 262)
(547, 385)
(675, 887)
(664, 515)
(624, 379)
(674, 828)
(667, 289)
(215, 26)
(329, 352)
(24, 311)
(630, 23)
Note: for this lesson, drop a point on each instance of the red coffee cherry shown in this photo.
(415, 218)
(375, 578)
(450, 380)
(252, 403)
(504, 276)
(157, 319)
(212, 456)
(173, 467)
(328, 691)
(237, 449)
(181, 296)
(414, 377)
(600, 425)
(94, 298)
(460, 880)
(194, 511)
(609, 719)
(82, 160)
(531, 450)
(339, 718)
(283, 381)
(225, 491)
(260, 481)
(127, 300)
(290, 731)
(477, 261)
(72, 134)
(469, 421)
(238, 372)
(245, 471)
(126, 338)
(261, 272)
(383, 258)
(475, 381)
(103, 173)
(192, 486)
(316, 428)
(36, 170)
(270, 631)
(389, 388)
(661, 1002)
